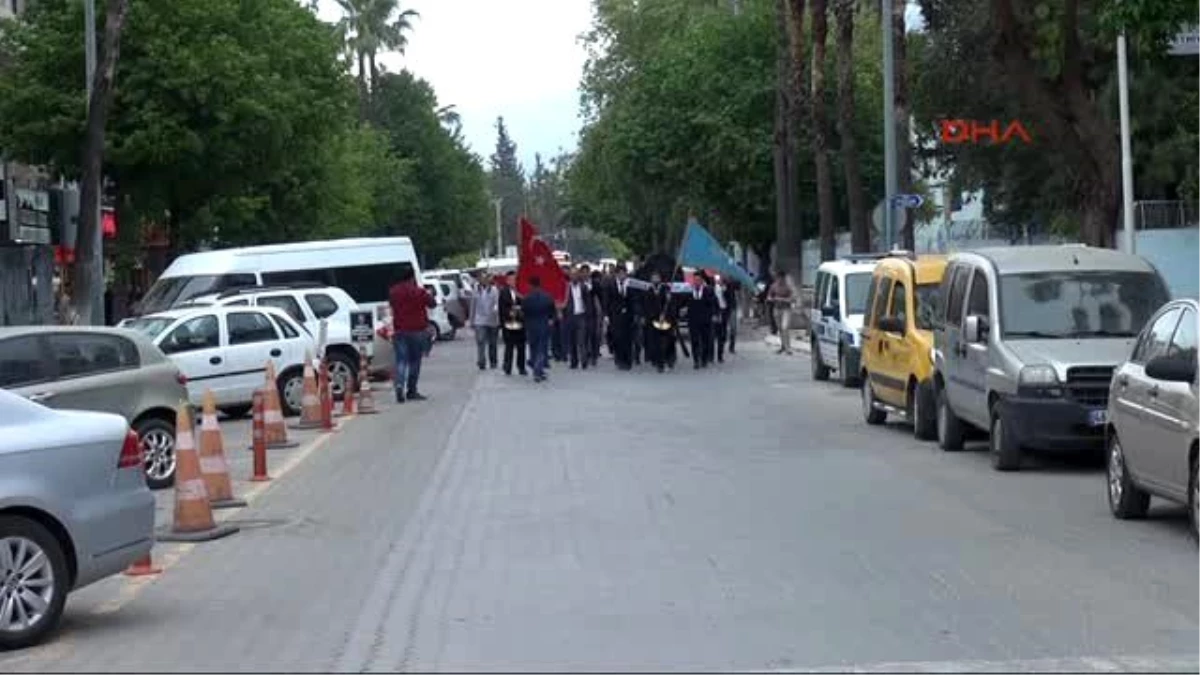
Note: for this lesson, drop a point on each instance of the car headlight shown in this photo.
(1038, 376)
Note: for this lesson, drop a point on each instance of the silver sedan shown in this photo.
(74, 509)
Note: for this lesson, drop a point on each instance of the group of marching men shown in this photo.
(634, 319)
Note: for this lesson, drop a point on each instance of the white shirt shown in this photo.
(720, 289)
(698, 293)
(577, 298)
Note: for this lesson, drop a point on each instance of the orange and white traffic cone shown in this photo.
(259, 443)
(366, 399)
(310, 415)
(193, 519)
(274, 428)
(213, 466)
(326, 395)
(364, 370)
(143, 567)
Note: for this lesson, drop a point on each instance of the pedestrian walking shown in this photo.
(781, 296)
(702, 307)
(509, 305)
(733, 300)
(660, 344)
(538, 309)
(575, 321)
(595, 315)
(410, 305)
(721, 318)
(485, 321)
(621, 313)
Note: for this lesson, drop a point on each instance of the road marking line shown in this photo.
(132, 588)
(1114, 663)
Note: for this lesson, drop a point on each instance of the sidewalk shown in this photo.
(800, 341)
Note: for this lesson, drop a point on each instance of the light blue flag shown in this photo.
(700, 250)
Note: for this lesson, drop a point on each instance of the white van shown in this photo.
(365, 268)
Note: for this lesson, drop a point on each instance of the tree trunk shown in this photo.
(364, 91)
(89, 265)
(374, 71)
(860, 228)
(820, 137)
(788, 241)
(903, 149)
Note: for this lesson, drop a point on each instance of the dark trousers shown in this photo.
(702, 343)
(622, 341)
(485, 346)
(410, 348)
(575, 339)
(720, 334)
(514, 343)
(638, 343)
(657, 344)
(556, 342)
(539, 339)
(592, 339)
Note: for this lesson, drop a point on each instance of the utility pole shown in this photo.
(889, 128)
(497, 203)
(97, 265)
(1126, 149)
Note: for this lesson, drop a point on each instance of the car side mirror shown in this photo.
(1171, 369)
(829, 311)
(976, 329)
(892, 324)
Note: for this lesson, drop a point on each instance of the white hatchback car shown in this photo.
(308, 304)
(226, 349)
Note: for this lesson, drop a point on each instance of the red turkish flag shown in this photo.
(537, 259)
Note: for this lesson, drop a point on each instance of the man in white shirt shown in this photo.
(575, 320)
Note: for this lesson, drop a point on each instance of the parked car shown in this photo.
(443, 328)
(1152, 417)
(74, 509)
(308, 304)
(897, 342)
(225, 350)
(1028, 340)
(836, 316)
(102, 370)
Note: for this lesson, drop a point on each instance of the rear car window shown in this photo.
(21, 362)
(285, 302)
(285, 328)
(322, 305)
(250, 327)
(82, 354)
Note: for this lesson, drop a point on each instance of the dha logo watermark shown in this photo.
(958, 132)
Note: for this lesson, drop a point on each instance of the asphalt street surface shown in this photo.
(738, 518)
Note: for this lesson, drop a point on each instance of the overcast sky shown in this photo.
(517, 58)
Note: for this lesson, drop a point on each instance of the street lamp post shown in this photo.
(1126, 151)
(97, 271)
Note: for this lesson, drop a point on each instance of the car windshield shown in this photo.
(150, 326)
(168, 291)
(857, 287)
(926, 301)
(1072, 304)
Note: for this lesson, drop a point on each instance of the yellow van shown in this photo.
(897, 347)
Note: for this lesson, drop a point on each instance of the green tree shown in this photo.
(448, 208)
(371, 28)
(506, 180)
(234, 113)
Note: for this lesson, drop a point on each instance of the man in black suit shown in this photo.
(510, 310)
(660, 345)
(574, 320)
(594, 317)
(702, 307)
(622, 309)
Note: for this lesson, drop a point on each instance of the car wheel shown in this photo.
(1125, 498)
(923, 411)
(1194, 496)
(437, 331)
(871, 414)
(33, 582)
(342, 371)
(820, 372)
(1006, 451)
(236, 412)
(291, 392)
(950, 431)
(849, 379)
(158, 450)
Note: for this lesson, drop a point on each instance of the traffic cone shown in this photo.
(326, 391)
(259, 443)
(193, 514)
(366, 399)
(274, 429)
(364, 370)
(310, 415)
(348, 398)
(213, 466)
(143, 567)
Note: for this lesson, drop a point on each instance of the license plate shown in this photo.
(1097, 418)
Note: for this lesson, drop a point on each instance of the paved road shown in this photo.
(740, 518)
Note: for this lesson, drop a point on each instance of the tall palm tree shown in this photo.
(371, 28)
(860, 234)
(449, 118)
